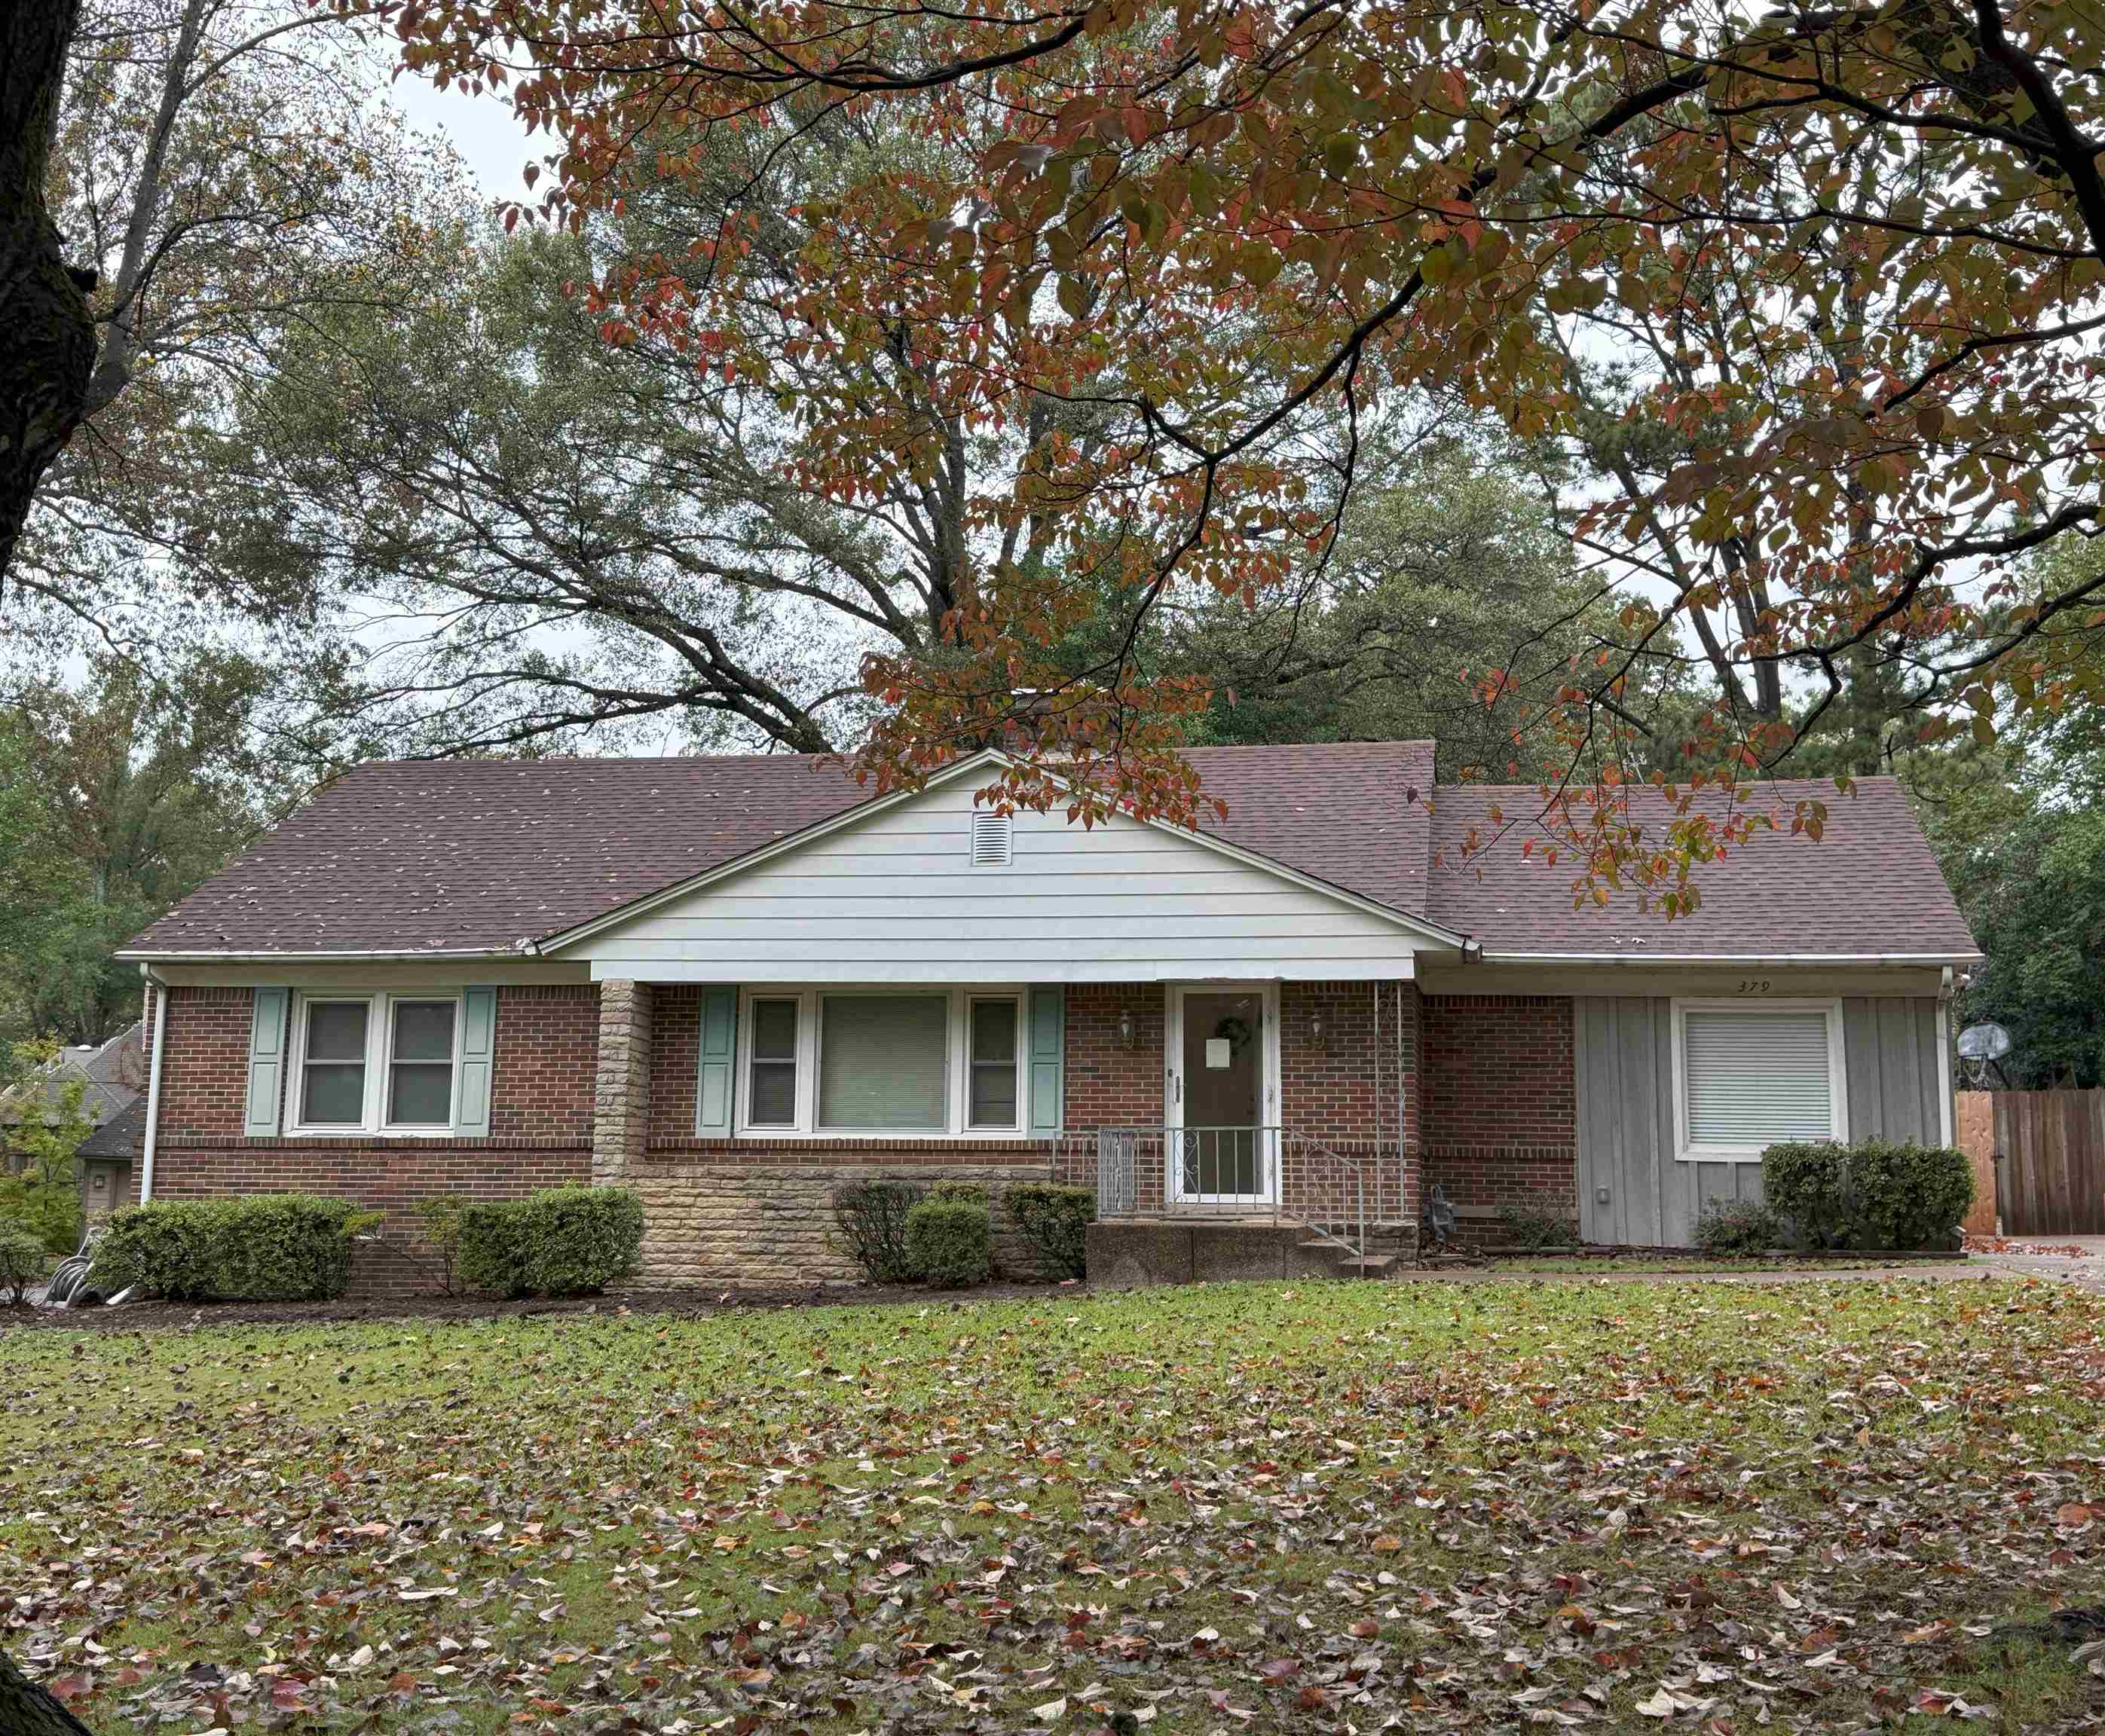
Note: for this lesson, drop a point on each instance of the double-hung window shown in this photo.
(1748, 1076)
(374, 1064)
(877, 1062)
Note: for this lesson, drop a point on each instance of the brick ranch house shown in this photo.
(733, 982)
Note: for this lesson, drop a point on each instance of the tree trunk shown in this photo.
(25, 1709)
(46, 334)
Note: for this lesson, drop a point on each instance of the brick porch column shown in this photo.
(621, 1085)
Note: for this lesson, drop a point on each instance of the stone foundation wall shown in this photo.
(755, 1223)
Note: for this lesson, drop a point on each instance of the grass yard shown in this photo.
(1619, 1506)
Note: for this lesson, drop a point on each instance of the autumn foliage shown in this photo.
(1162, 258)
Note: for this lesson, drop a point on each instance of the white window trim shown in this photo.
(957, 1083)
(1838, 1074)
(379, 1056)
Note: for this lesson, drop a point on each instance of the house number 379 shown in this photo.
(1754, 985)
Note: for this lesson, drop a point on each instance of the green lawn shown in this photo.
(1622, 1505)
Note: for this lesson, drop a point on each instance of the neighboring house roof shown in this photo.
(113, 1071)
(422, 858)
(120, 1136)
(1869, 887)
(476, 856)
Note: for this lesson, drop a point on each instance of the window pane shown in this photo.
(334, 1095)
(774, 1029)
(993, 1030)
(773, 1094)
(994, 1095)
(421, 1094)
(424, 1031)
(882, 1060)
(335, 1030)
(1752, 1078)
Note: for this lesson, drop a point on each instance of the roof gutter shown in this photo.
(1944, 959)
(394, 955)
(151, 1137)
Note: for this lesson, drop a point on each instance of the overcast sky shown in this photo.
(482, 129)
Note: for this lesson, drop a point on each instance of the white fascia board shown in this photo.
(555, 943)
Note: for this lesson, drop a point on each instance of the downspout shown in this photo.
(159, 990)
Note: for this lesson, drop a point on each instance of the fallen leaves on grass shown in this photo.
(1331, 1508)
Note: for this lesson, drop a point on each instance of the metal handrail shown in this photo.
(1250, 1156)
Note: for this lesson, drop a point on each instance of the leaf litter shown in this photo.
(1349, 1508)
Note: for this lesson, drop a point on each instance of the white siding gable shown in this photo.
(904, 895)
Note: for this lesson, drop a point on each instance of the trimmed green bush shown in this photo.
(23, 1262)
(1807, 1184)
(559, 1241)
(266, 1247)
(871, 1218)
(1738, 1226)
(1054, 1221)
(1875, 1195)
(950, 1242)
(1909, 1196)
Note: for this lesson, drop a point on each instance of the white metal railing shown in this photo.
(1237, 1172)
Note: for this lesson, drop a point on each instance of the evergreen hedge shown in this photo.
(266, 1247)
(569, 1240)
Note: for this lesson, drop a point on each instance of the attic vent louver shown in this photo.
(991, 839)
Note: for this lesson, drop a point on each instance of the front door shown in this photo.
(1220, 1146)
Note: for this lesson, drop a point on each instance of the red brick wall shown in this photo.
(547, 1050)
(1500, 1114)
(1340, 1093)
(204, 1077)
(540, 1123)
(675, 1045)
(1109, 1085)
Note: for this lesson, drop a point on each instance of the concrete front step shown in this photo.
(1126, 1253)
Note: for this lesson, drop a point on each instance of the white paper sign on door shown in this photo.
(1217, 1052)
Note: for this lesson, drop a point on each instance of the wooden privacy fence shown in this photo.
(2050, 1175)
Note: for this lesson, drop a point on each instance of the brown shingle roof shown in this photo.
(474, 855)
(1869, 887)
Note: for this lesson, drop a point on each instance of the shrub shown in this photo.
(42, 1195)
(950, 1242)
(268, 1247)
(1534, 1228)
(1909, 1196)
(559, 1241)
(166, 1249)
(871, 1217)
(1807, 1183)
(287, 1247)
(972, 1193)
(1876, 1194)
(1054, 1221)
(23, 1261)
(1737, 1226)
(440, 1217)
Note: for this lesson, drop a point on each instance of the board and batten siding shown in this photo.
(1624, 1061)
(895, 898)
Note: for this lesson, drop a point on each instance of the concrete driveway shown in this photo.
(2050, 1256)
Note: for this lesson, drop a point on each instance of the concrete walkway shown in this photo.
(2048, 1257)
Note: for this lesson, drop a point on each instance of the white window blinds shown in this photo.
(1756, 1077)
(883, 1061)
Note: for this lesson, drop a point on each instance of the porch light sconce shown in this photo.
(1125, 1033)
(1316, 1030)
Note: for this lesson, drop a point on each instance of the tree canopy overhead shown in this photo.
(1847, 263)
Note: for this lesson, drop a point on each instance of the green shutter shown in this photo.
(1048, 1019)
(267, 1063)
(713, 1074)
(478, 1061)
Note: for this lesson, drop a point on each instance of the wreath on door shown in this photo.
(1237, 1031)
